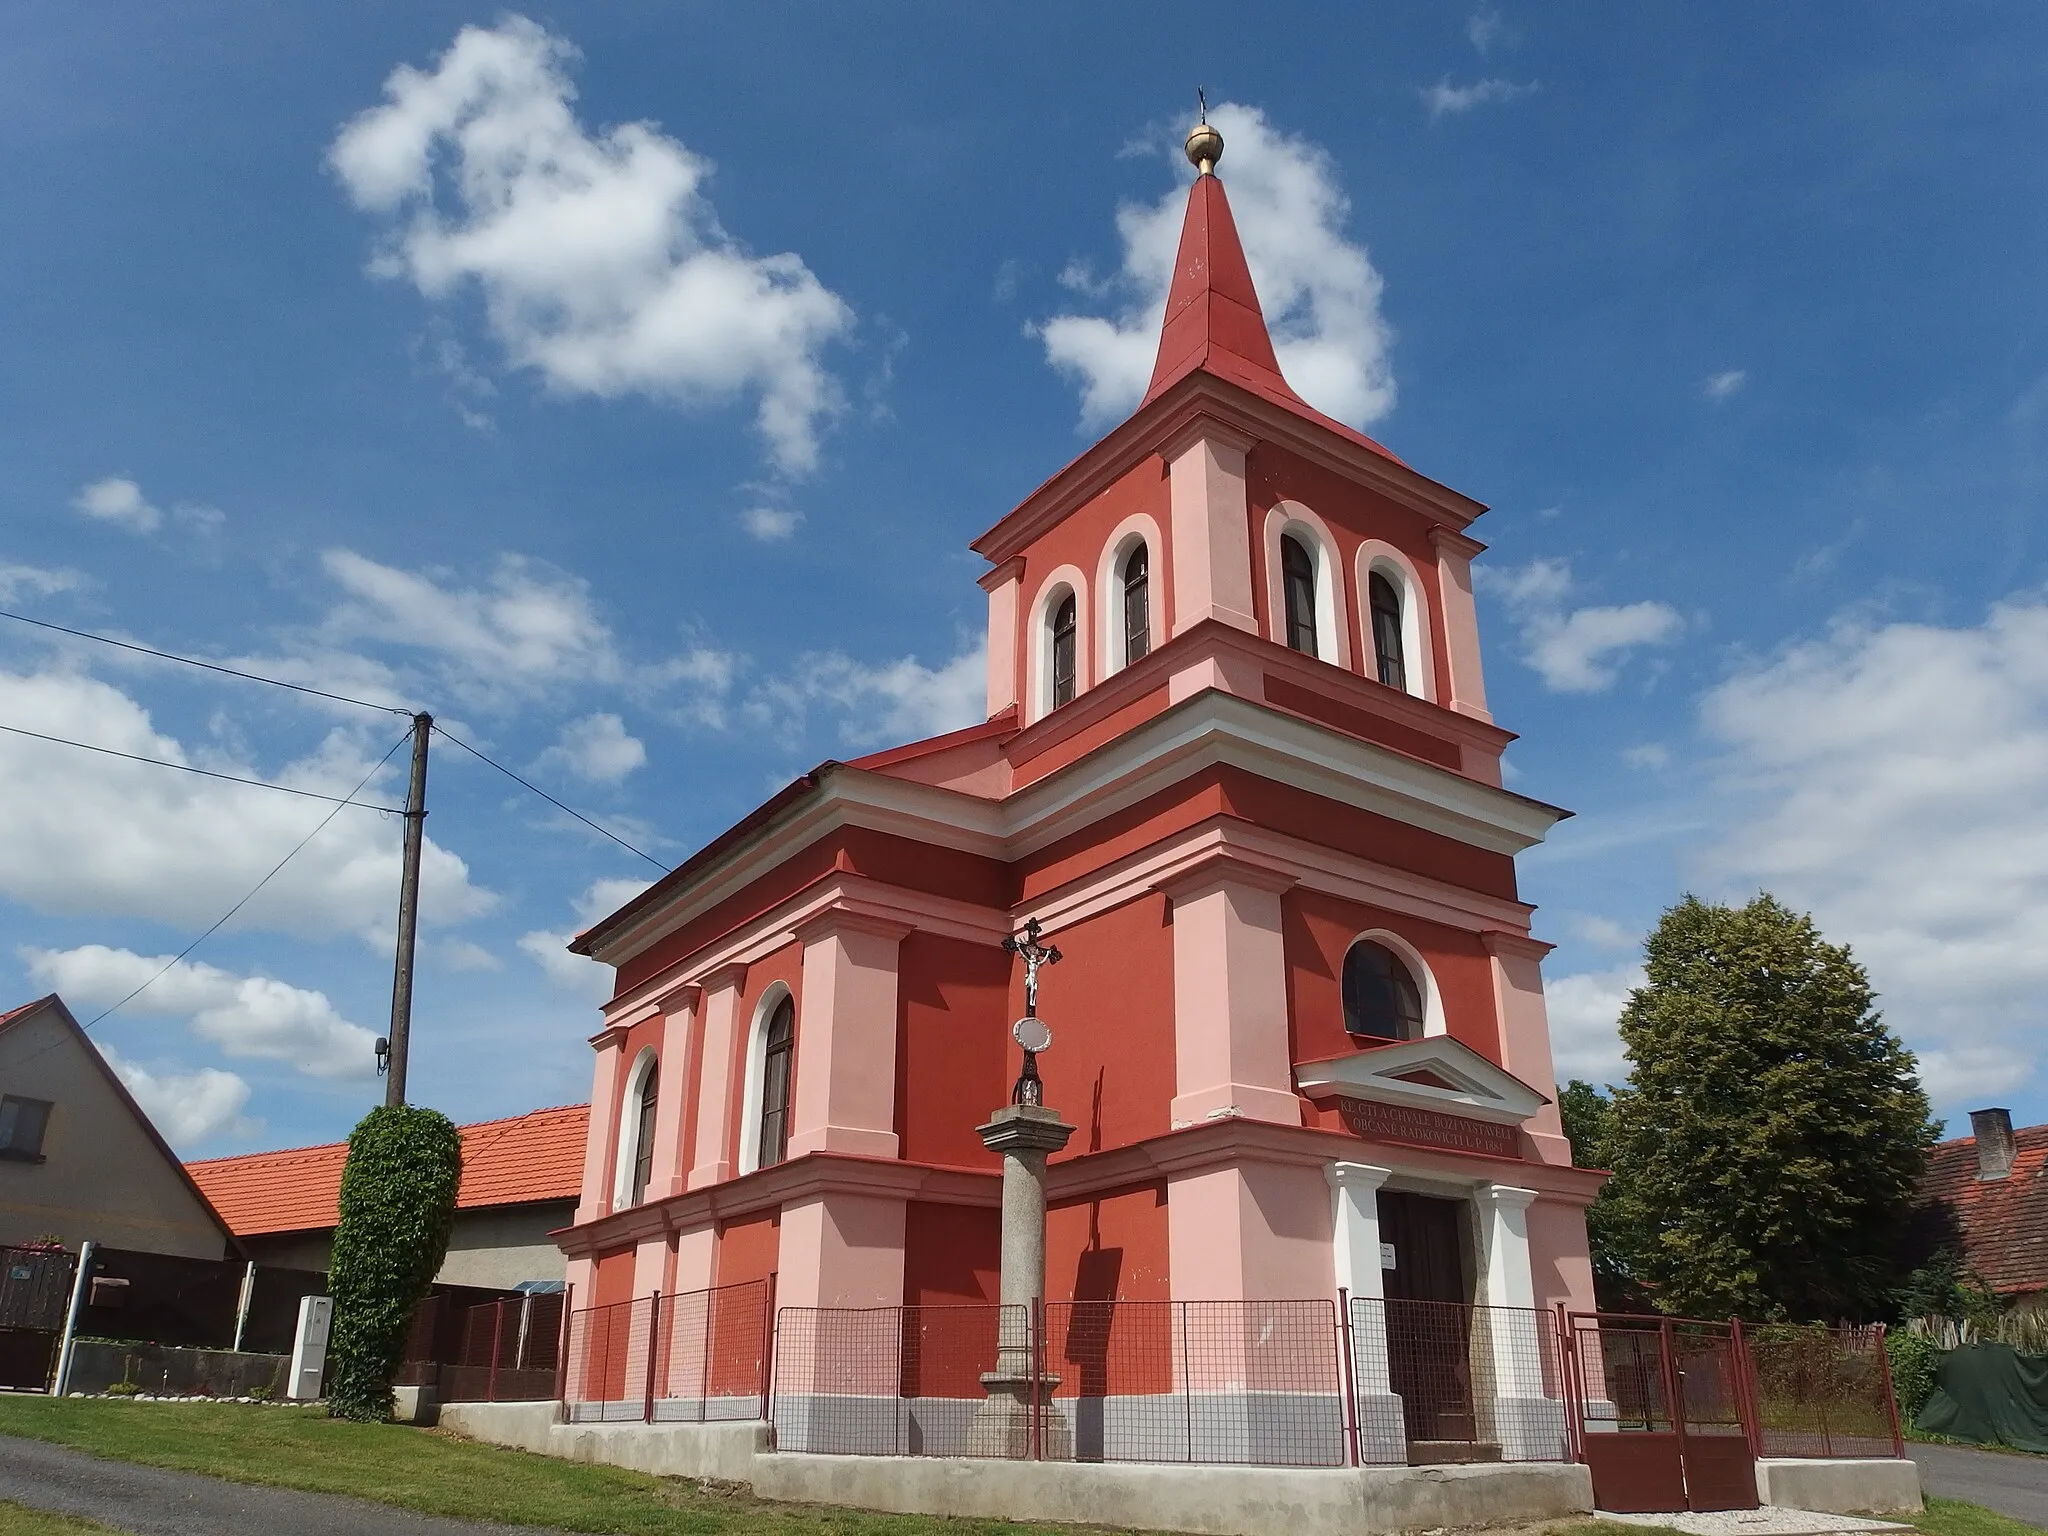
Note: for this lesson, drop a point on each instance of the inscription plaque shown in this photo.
(1428, 1128)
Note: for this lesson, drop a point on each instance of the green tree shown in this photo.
(398, 1190)
(1588, 1124)
(1767, 1143)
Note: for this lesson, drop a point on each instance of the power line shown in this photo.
(210, 666)
(231, 911)
(231, 778)
(551, 800)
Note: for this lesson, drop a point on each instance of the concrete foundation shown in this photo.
(1210, 1500)
(1844, 1487)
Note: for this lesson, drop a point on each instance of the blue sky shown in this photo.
(1734, 317)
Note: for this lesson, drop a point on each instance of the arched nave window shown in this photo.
(1381, 999)
(1298, 583)
(1387, 643)
(1137, 579)
(1065, 616)
(643, 1133)
(778, 1052)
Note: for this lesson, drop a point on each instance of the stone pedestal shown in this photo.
(1025, 1135)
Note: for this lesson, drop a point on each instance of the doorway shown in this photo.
(1429, 1321)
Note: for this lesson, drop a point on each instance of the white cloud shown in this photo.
(1583, 1009)
(604, 897)
(186, 1107)
(1650, 755)
(18, 579)
(1445, 99)
(596, 748)
(1720, 386)
(771, 525)
(601, 263)
(527, 630)
(1485, 27)
(1319, 290)
(1604, 932)
(1892, 778)
(574, 974)
(1580, 650)
(86, 834)
(462, 955)
(120, 502)
(878, 704)
(246, 1016)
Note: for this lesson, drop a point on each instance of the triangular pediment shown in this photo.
(1436, 1073)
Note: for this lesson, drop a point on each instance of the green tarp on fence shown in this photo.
(1990, 1394)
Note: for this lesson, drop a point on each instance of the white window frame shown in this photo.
(1418, 968)
(1109, 582)
(757, 1070)
(1067, 579)
(1376, 556)
(629, 1127)
(1333, 623)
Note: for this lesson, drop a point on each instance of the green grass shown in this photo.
(436, 1473)
(20, 1520)
(1952, 1517)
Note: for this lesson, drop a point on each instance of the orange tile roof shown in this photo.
(2003, 1223)
(535, 1156)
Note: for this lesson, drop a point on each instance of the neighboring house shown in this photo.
(1238, 762)
(79, 1160)
(520, 1179)
(1990, 1190)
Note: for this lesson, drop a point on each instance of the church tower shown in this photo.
(1238, 764)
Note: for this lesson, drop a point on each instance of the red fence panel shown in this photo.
(689, 1357)
(1444, 1381)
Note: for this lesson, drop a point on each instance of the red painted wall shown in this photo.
(1110, 1069)
(747, 1249)
(1318, 929)
(952, 1044)
(1108, 1247)
(952, 1254)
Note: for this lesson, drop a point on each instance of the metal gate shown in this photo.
(1660, 1412)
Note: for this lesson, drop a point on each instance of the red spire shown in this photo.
(1213, 321)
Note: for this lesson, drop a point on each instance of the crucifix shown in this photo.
(1030, 1031)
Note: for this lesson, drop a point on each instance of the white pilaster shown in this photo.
(1355, 1226)
(1526, 1421)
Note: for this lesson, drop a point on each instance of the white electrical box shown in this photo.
(309, 1348)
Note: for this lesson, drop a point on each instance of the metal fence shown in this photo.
(509, 1353)
(689, 1357)
(1821, 1392)
(1251, 1383)
(1442, 1381)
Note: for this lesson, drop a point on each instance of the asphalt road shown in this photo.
(154, 1502)
(2012, 1485)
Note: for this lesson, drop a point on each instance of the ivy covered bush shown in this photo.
(397, 1204)
(1913, 1358)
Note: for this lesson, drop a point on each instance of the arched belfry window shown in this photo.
(1065, 615)
(1137, 579)
(778, 1052)
(1381, 999)
(643, 1135)
(1386, 631)
(1298, 584)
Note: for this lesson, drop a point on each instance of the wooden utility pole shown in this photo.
(408, 909)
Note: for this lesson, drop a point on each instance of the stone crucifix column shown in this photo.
(1024, 1133)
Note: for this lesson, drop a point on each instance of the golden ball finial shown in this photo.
(1204, 148)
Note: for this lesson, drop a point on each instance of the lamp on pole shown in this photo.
(1024, 1132)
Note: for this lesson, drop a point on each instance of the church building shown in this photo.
(1239, 767)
